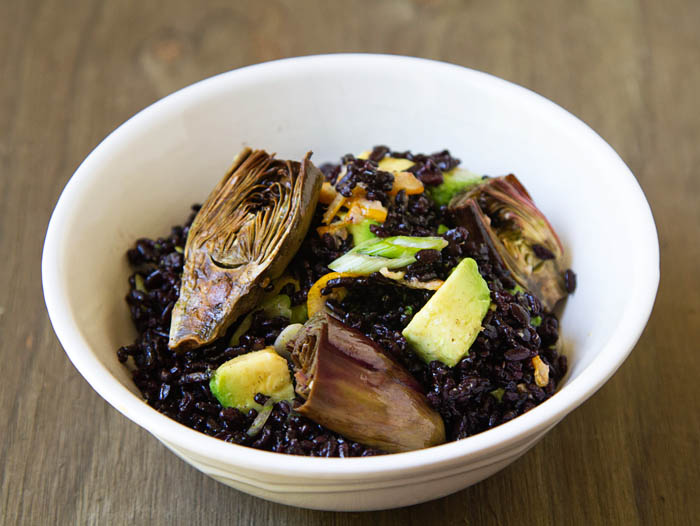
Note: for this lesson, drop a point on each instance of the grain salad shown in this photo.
(386, 303)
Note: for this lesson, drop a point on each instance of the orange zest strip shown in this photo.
(315, 301)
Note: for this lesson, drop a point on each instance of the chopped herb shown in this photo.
(498, 393)
(139, 283)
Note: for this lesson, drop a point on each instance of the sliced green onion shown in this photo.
(280, 305)
(442, 229)
(391, 252)
(536, 321)
(380, 248)
(241, 329)
(365, 265)
(261, 419)
(420, 243)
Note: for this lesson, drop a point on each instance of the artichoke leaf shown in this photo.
(501, 214)
(351, 387)
(246, 233)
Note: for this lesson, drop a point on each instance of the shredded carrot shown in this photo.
(408, 182)
(358, 191)
(333, 208)
(397, 275)
(541, 371)
(337, 229)
(354, 214)
(328, 193)
(433, 284)
(362, 208)
(410, 283)
(339, 201)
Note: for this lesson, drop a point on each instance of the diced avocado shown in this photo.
(395, 165)
(236, 382)
(361, 232)
(448, 324)
(299, 314)
(453, 182)
(389, 164)
(280, 305)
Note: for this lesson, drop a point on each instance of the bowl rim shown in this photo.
(644, 279)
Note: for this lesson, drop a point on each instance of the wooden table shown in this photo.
(72, 71)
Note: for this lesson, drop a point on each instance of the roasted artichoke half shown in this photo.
(501, 214)
(353, 388)
(245, 234)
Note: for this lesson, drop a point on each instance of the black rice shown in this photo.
(494, 383)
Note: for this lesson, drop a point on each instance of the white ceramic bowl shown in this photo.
(143, 177)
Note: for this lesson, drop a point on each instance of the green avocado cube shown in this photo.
(395, 165)
(361, 231)
(455, 181)
(447, 325)
(236, 382)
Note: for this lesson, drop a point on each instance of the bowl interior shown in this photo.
(144, 177)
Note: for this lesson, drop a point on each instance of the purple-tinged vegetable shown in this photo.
(353, 388)
(501, 214)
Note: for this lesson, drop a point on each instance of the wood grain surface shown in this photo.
(72, 71)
